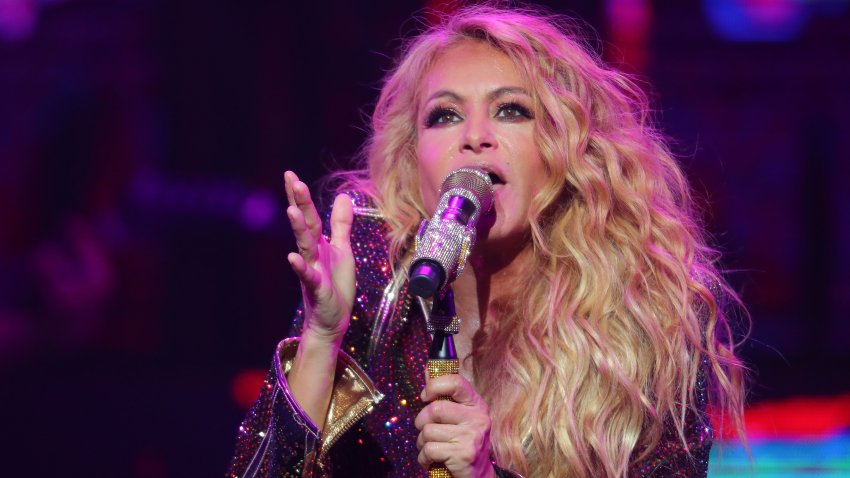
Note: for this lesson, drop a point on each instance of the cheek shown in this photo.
(534, 172)
(535, 161)
(429, 166)
(429, 194)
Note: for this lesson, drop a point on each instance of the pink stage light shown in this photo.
(798, 417)
(629, 22)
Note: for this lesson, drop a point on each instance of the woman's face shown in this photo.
(475, 110)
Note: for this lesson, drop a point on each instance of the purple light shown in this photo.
(17, 19)
(756, 20)
(259, 210)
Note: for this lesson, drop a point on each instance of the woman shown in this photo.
(592, 336)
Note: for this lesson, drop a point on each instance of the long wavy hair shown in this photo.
(586, 367)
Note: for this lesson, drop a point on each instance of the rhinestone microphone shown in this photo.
(444, 242)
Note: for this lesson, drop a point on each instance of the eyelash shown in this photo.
(522, 110)
(437, 114)
(441, 112)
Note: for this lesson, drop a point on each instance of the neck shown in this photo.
(489, 269)
(484, 273)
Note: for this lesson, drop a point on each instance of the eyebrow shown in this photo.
(504, 90)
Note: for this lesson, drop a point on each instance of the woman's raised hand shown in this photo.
(324, 267)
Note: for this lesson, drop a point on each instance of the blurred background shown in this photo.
(143, 280)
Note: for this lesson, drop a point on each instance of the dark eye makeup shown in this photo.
(441, 115)
(513, 111)
(508, 111)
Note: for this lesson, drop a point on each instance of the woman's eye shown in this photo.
(513, 112)
(441, 116)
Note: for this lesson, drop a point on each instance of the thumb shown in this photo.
(342, 215)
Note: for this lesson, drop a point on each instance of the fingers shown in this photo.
(306, 241)
(435, 432)
(306, 274)
(452, 385)
(436, 452)
(449, 413)
(288, 179)
(466, 400)
(298, 195)
(462, 442)
(318, 259)
(342, 216)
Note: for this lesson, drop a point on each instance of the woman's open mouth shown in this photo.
(495, 178)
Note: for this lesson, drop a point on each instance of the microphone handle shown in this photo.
(442, 360)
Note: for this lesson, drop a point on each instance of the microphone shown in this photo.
(442, 247)
(443, 243)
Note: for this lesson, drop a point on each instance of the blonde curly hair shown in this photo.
(584, 367)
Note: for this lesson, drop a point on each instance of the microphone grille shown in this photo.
(470, 180)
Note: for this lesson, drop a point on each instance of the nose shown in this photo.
(478, 135)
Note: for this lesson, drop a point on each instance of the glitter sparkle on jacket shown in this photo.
(369, 428)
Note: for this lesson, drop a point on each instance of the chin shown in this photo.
(502, 238)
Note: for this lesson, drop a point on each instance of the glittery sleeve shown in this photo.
(274, 437)
(277, 438)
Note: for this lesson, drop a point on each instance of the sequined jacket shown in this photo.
(369, 428)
